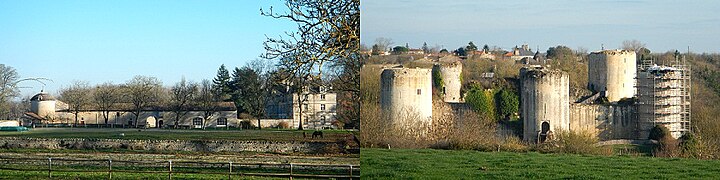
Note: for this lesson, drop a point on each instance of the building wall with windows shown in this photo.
(319, 108)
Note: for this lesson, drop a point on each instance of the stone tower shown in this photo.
(612, 73)
(451, 74)
(545, 102)
(405, 91)
(43, 104)
(664, 99)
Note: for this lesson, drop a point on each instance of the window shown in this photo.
(197, 121)
(222, 121)
(419, 91)
(305, 106)
(322, 97)
(323, 119)
(322, 107)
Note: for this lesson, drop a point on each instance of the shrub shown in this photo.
(508, 103)
(692, 146)
(482, 102)
(283, 125)
(658, 132)
(246, 124)
(573, 143)
(667, 145)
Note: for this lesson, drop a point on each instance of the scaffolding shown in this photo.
(664, 96)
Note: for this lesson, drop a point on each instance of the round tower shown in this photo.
(612, 73)
(406, 92)
(545, 102)
(449, 76)
(664, 99)
(43, 104)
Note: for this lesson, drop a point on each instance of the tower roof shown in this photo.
(42, 96)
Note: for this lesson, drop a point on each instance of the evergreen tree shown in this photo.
(221, 83)
(425, 48)
(471, 47)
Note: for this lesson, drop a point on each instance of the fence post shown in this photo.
(50, 167)
(291, 171)
(230, 174)
(109, 168)
(170, 169)
(351, 172)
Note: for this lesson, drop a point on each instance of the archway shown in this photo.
(544, 129)
(150, 122)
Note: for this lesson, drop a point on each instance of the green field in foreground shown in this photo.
(464, 164)
(168, 134)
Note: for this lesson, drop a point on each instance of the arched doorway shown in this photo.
(544, 129)
(150, 122)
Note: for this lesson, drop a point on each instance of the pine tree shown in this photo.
(221, 83)
(425, 48)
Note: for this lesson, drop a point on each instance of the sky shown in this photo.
(115, 40)
(662, 25)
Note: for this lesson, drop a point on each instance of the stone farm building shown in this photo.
(45, 108)
(319, 110)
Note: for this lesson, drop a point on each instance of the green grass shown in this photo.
(166, 134)
(459, 164)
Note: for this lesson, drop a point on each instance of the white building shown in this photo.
(317, 110)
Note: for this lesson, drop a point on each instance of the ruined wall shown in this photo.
(544, 98)
(406, 92)
(604, 121)
(451, 76)
(614, 72)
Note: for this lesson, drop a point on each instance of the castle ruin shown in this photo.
(612, 73)
(544, 102)
(406, 92)
(450, 76)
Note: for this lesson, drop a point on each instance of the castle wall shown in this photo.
(604, 121)
(451, 76)
(544, 98)
(614, 72)
(406, 92)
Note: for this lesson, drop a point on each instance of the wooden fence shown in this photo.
(170, 168)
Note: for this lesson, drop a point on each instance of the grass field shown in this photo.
(167, 134)
(462, 164)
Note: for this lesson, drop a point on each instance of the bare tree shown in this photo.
(9, 80)
(183, 93)
(632, 45)
(77, 96)
(384, 43)
(106, 96)
(207, 100)
(8, 88)
(328, 31)
(142, 92)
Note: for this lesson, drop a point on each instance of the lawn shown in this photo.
(167, 134)
(463, 164)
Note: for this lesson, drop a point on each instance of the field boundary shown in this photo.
(168, 168)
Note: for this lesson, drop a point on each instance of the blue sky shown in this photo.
(661, 24)
(114, 40)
